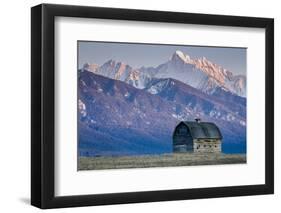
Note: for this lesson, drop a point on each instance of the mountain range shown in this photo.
(127, 111)
(199, 73)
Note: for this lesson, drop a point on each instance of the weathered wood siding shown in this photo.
(182, 140)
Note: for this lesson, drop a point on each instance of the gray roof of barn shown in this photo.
(203, 130)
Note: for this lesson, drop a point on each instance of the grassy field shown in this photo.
(165, 160)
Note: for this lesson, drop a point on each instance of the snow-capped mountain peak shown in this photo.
(179, 55)
(90, 67)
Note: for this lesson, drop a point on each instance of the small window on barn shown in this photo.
(216, 146)
(210, 146)
(204, 145)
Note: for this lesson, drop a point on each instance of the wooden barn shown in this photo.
(197, 136)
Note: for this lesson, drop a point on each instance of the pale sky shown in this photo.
(137, 55)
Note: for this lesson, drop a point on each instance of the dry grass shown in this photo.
(165, 160)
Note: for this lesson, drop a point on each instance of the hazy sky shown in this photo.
(137, 55)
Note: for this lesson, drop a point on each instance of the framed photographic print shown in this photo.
(139, 106)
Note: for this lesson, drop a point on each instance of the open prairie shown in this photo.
(164, 160)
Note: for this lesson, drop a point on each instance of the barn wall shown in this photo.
(204, 145)
(182, 142)
(182, 148)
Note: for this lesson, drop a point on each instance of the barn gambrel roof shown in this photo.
(203, 130)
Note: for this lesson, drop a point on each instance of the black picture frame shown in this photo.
(43, 105)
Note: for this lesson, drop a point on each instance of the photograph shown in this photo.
(160, 105)
(133, 105)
